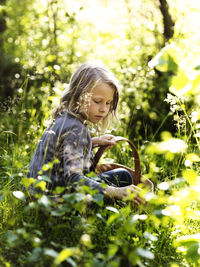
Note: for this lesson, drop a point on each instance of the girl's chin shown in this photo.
(96, 120)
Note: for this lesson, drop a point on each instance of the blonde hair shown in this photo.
(85, 78)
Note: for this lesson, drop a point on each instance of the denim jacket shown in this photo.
(66, 148)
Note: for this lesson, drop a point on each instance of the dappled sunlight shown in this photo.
(42, 43)
(172, 145)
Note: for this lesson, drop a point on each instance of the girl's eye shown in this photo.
(97, 101)
(108, 103)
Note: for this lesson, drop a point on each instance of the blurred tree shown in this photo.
(146, 113)
(43, 42)
(167, 20)
(8, 67)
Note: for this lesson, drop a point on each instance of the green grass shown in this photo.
(81, 229)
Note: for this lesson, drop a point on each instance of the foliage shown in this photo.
(42, 42)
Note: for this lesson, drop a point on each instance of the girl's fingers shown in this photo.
(103, 141)
(136, 188)
(108, 136)
(137, 198)
(107, 139)
(136, 202)
(142, 201)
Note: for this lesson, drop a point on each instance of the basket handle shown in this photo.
(136, 157)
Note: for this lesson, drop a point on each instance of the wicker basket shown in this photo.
(136, 172)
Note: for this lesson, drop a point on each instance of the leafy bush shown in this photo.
(159, 111)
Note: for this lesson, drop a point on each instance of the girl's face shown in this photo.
(100, 102)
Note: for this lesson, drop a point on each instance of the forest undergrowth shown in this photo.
(83, 229)
(42, 43)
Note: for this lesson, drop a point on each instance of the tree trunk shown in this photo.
(167, 20)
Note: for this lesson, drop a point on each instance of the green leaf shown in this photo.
(179, 84)
(196, 85)
(112, 209)
(164, 60)
(27, 181)
(44, 200)
(191, 242)
(64, 254)
(41, 185)
(193, 251)
(45, 178)
(112, 249)
(98, 198)
(190, 176)
(145, 253)
(50, 252)
(59, 189)
(112, 218)
(19, 194)
(150, 236)
(183, 240)
(193, 157)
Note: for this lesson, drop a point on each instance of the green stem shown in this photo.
(192, 128)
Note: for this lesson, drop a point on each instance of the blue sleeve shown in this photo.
(75, 154)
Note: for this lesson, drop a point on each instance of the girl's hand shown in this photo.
(103, 140)
(123, 192)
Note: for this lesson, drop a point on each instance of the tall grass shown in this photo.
(80, 228)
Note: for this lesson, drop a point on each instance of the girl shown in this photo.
(92, 98)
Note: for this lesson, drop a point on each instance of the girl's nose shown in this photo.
(103, 108)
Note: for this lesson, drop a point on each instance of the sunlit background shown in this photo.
(42, 42)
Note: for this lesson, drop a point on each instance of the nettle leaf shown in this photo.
(179, 84)
(101, 217)
(145, 253)
(44, 201)
(64, 254)
(112, 218)
(112, 249)
(190, 176)
(19, 194)
(59, 190)
(47, 166)
(44, 178)
(193, 251)
(193, 157)
(27, 181)
(165, 60)
(50, 252)
(112, 209)
(192, 245)
(150, 236)
(196, 85)
(35, 255)
(98, 198)
(41, 185)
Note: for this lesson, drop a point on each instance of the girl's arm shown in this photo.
(75, 150)
(123, 192)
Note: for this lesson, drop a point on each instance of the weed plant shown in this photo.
(81, 228)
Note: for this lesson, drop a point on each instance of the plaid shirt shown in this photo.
(66, 147)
